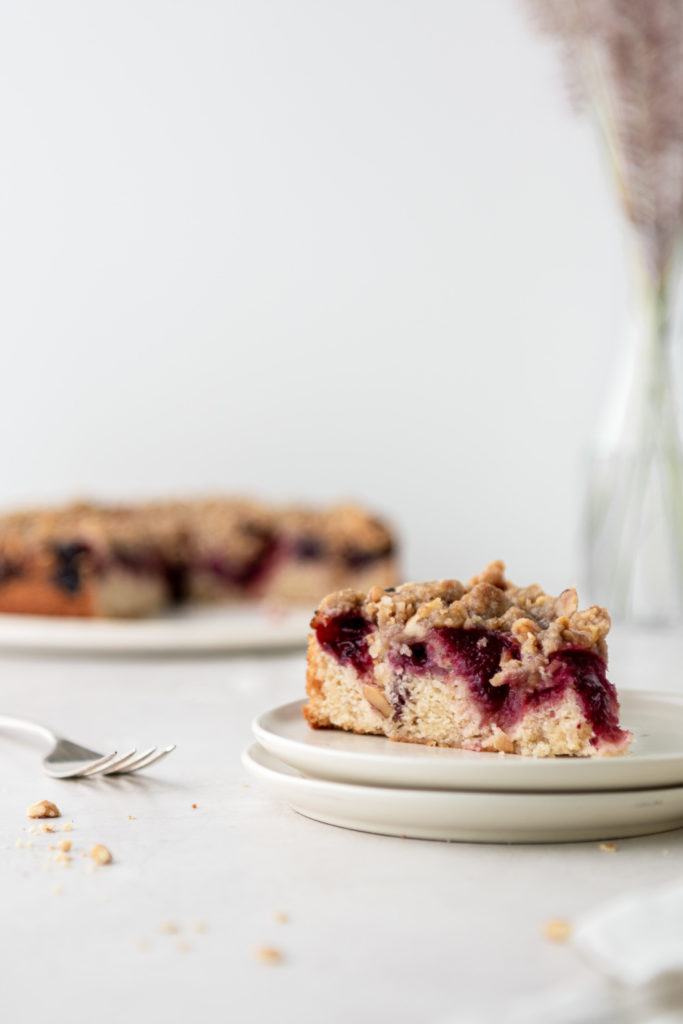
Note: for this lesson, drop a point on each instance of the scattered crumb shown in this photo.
(100, 854)
(43, 809)
(557, 930)
(52, 846)
(18, 844)
(63, 859)
(65, 845)
(169, 928)
(84, 854)
(181, 946)
(199, 927)
(245, 785)
(268, 955)
(29, 844)
(33, 830)
(130, 817)
(68, 827)
(608, 847)
(142, 945)
(56, 889)
(280, 917)
(194, 807)
(47, 828)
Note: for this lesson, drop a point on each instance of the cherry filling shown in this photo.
(8, 571)
(67, 570)
(585, 671)
(247, 574)
(475, 654)
(359, 558)
(344, 637)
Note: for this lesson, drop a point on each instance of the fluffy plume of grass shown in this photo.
(625, 58)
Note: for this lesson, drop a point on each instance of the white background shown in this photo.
(306, 250)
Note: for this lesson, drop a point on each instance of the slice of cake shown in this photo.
(483, 666)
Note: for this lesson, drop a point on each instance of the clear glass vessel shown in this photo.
(634, 504)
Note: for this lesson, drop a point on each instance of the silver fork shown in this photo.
(67, 760)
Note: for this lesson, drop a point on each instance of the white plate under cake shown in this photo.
(483, 666)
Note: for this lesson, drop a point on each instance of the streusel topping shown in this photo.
(541, 623)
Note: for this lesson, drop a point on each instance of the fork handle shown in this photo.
(23, 725)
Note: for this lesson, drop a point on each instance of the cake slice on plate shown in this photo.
(484, 665)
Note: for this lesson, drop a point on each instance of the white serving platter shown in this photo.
(198, 629)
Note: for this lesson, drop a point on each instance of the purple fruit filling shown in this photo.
(67, 570)
(344, 637)
(308, 548)
(9, 571)
(248, 574)
(475, 654)
(585, 671)
(358, 558)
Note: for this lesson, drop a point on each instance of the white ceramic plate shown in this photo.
(471, 816)
(654, 759)
(198, 629)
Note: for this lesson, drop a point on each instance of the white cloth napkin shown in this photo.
(638, 938)
(635, 943)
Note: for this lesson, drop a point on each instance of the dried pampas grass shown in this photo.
(626, 58)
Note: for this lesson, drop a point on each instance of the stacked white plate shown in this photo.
(403, 789)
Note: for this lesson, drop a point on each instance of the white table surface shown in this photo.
(378, 928)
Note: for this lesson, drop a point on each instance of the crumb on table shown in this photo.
(43, 809)
(100, 854)
(557, 930)
(608, 847)
(268, 955)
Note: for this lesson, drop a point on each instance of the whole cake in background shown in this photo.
(132, 561)
(484, 666)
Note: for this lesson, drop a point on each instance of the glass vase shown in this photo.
(634, 505)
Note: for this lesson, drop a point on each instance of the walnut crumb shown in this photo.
(47, 828)
(68, 827)
(19, 844)
(131, 818)
(100, 854)
(65, 845)
(608, 847)
(199, 927)
(43, 809)
(169, 928)
(268, 955)
(56, 889)
(280, 917)
(557, 930)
